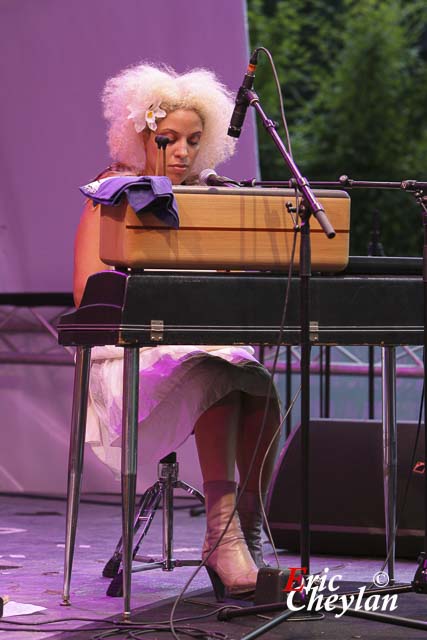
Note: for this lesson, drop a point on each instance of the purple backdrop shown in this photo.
(55, 57)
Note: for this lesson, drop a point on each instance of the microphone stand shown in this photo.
(310, 206)
(343, 182)
(418, 190)
(419, 583)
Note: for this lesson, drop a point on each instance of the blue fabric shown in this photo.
(144, 193)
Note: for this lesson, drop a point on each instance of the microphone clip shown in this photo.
(210, 178)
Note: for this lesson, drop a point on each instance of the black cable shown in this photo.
(117, 624)
(193, 632)
(257, 444)
(279, 93)
(272, 370)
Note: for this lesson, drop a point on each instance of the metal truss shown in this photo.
(354, 361)
(28, 335)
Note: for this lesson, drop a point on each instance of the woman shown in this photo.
(217, 393)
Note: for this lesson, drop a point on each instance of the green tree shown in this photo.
(355, 94)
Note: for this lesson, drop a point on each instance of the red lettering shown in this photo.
(295, 580)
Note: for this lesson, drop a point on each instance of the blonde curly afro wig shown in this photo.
(139, 88)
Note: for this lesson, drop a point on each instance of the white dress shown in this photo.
(177, 385)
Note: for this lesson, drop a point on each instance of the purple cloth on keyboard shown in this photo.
(144, 193)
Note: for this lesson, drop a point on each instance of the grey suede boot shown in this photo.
(230, 567)
(250, 515)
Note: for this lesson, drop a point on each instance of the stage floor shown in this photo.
(31, 568)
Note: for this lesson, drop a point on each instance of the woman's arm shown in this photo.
(86, 250)
(86, 246)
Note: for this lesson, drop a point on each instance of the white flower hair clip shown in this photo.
(147, 118)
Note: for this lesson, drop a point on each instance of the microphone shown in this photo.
(212, 179)
(241, 106)
(162, 141)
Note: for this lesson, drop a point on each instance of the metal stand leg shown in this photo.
(168, 519)
(75, 461)
(389, 452)
(305, 273)
(168, 481)
(129, 463)
(145, 512)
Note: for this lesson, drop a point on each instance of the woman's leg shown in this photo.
(249, 505)
(216, 438)
(251, 418)
(227, 556)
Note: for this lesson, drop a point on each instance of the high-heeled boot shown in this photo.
(250, 515)
(230, 567)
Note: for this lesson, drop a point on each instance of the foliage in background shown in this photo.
(354, 78)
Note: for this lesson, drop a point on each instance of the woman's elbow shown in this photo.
(78, 290)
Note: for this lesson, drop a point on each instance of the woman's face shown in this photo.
(184, 128)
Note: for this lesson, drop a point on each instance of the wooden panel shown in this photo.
(227, 230)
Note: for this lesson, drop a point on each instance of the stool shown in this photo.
(160, 491)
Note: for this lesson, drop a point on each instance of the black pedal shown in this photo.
(115, 589)
(270, 585)
(112, 567)
(419, 583)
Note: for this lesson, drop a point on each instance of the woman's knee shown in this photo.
(223, 414)
(257, 404)
(232, 399)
